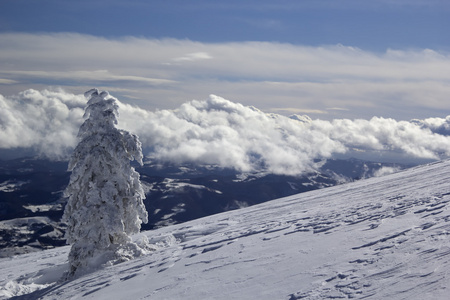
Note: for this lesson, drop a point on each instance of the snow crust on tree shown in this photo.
(105, 204)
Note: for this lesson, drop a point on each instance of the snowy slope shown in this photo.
(31, 194)
(380, 238)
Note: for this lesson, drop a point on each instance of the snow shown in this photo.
(23, 222)
(105, 196)
(385, 171)
(39, 208)
(381, 238)
(10, 186)
(174, 184)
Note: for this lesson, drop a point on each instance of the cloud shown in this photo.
(436, 125)
(7, 81)
(382, 134)
(93, 76)
(220, 132)
(46, 121)
(193, 57)
(217, 131)
(163, 74)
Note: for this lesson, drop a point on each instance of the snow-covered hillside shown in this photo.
(381, 238)
(31, 200)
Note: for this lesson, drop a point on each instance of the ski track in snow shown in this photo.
(380, 238)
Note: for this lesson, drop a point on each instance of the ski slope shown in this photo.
(380, 238)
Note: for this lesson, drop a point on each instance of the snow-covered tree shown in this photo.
(105, 194)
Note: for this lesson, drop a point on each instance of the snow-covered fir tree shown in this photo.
(105, 194)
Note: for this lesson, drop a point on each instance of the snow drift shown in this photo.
(379, 238)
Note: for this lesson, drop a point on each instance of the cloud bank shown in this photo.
(46, 121)
(330, 81)
(220, 132)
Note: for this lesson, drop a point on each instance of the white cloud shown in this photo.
(193, 56)
(220, 132)
(402, 84)
(217, 131)
(46, 121)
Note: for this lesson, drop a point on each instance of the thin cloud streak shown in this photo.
(93, 76)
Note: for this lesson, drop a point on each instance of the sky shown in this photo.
(326, 59)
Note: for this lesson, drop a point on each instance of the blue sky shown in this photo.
(370, 25)
(327, 59)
